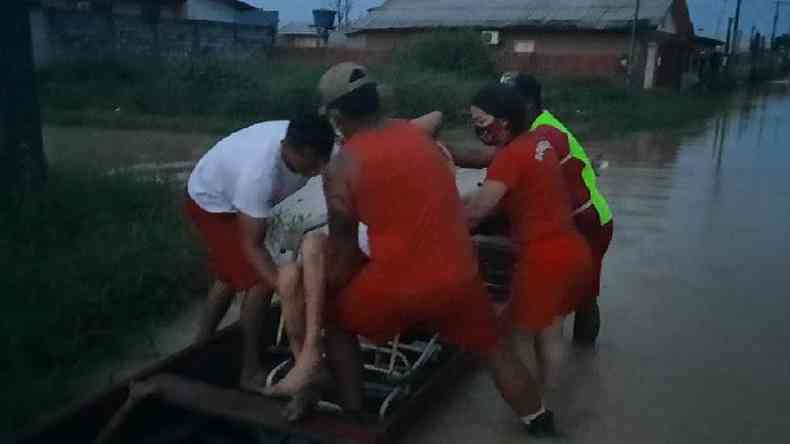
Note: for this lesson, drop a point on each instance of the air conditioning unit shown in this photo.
(490, 37)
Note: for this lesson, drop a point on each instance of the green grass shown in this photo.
(89, 264)
(216, 98)
(599, 109)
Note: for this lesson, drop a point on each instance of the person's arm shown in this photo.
(253, 232)
(430, 123)
(484, 203)
(478, 157)
(343, 245)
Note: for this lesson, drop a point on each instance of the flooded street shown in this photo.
(695, 345)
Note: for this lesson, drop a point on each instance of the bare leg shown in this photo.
(292, 302)
(253, 316)
(587, 324)
(219, 298)
(345, 360)
(308, 366)
(512, 378)
(550, 354)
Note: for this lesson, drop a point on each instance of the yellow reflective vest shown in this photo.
(588, 174)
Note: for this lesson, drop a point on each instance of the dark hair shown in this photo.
(313, 133)
(360, 103)
(530, 88)
(503, 102)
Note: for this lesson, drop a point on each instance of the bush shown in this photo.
(89, 261)
(457, 51)
(416, 92)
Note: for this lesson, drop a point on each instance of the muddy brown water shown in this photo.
(695, 345)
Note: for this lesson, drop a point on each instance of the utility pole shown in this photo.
(23, 166)
(735, 30)
(631, 53)
(728, 43)
(776, 20)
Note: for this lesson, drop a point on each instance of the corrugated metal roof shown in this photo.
(297, 28)
(556, 14)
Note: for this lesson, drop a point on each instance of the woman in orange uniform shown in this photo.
(525, 180)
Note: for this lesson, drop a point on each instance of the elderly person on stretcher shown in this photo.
(421, 268)
(307, 275)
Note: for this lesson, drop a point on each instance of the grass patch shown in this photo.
(218, 98)
(90, 263)
(597, 108)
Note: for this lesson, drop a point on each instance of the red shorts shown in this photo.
(378, 307)
(220, 232)
(598, 237)
(550, 279)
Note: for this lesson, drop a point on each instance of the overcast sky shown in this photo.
(709, 16)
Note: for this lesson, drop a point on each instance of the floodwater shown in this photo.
(695, 344)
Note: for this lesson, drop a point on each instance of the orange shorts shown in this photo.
(550, 279)
(598, 238)
(220, 232)
(377, 306)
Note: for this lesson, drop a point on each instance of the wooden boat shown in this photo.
(236, 416)
(396, 390)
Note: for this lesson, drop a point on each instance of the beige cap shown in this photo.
(340, 80)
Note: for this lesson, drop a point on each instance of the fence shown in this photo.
(69, 35)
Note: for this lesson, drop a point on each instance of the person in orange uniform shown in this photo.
(591, 213)
(422, 269)
(526, 181)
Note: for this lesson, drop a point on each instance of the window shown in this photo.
(524, 46)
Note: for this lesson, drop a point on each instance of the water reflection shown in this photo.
(695, 340)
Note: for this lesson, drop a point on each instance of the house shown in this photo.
(228, 11)
(298, 35)
(550, 36)
(304, 35)
(173, 30)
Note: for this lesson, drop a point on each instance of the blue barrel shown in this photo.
(324, 18)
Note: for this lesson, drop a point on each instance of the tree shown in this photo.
(782, 41)
(343, 8)
(22, 163)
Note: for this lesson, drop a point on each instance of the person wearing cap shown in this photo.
(422, 270)
(525, 181)
(592, 215)
(230, 197)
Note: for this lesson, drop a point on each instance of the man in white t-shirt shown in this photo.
(231, 194)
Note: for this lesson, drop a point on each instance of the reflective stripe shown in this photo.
(582, 208)
(565, 159)
(588, 174)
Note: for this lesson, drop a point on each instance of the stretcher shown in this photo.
(390, 368)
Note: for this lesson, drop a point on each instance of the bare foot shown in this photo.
(306, 371)
(254, 384)
(303, 403)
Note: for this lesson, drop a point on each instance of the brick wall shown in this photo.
(66, 35)
(571, 54)
(575, 65)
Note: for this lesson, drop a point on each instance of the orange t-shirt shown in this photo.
(571, 166)
(537, 201)
(408, 198)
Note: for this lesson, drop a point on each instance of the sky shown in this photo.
(709, 16)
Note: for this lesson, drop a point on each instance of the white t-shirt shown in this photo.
(244, 172)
